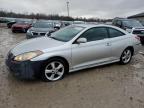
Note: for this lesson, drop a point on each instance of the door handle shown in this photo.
(108, 44)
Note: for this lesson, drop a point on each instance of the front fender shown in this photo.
(66, 54)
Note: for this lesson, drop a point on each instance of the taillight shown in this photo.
(137, 37)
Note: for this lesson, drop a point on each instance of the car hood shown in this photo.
(21, 25)
(41, 29)
(42, 44)
(138, 28)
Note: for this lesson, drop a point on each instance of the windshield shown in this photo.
(142, 22)
(132, 23)
(67, 33)
(42, 25)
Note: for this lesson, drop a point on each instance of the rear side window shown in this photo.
(115, 33)
(95, 34)
(119, 23)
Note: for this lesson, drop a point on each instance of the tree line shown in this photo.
(48, 17)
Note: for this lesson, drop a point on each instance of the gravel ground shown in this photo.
(110, 86)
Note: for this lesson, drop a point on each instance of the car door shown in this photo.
(96, 50)
(118, 42)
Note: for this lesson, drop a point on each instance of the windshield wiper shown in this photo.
(51, 37)
(56, 38)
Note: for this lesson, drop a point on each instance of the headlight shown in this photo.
(28, 55)
(47, 34)
(28, 31)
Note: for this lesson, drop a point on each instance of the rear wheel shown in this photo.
(13, 31)
(54, 70)
(126, 56)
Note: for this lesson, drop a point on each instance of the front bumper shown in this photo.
(20, 29)
(30, 35)
(24, 70)
(142, 39)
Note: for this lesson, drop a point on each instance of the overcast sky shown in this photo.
(80, 8)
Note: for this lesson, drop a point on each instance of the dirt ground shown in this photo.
(110, 86)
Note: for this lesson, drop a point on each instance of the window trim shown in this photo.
(108, 29)
(93, 28)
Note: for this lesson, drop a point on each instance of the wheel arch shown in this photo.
(131, 48)
(61, 58)
(132, 51)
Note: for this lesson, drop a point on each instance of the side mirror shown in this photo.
(81, 40)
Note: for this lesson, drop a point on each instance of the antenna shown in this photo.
(68, 7)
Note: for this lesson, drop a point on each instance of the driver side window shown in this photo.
(94, 34)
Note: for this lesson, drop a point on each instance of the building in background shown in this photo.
(139, 17)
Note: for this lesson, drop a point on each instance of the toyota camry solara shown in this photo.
(71, 49)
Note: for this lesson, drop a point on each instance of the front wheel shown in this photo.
(54, 70)
(126, 56)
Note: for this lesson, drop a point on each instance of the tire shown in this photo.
(13, 31)
(8, 26)
(126, 56)
(54, 70)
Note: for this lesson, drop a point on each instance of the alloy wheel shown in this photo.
(126, 56)
(54, 71)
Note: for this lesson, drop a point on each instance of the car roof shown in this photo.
(93, 25)
(125, 19)
(100, 25)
